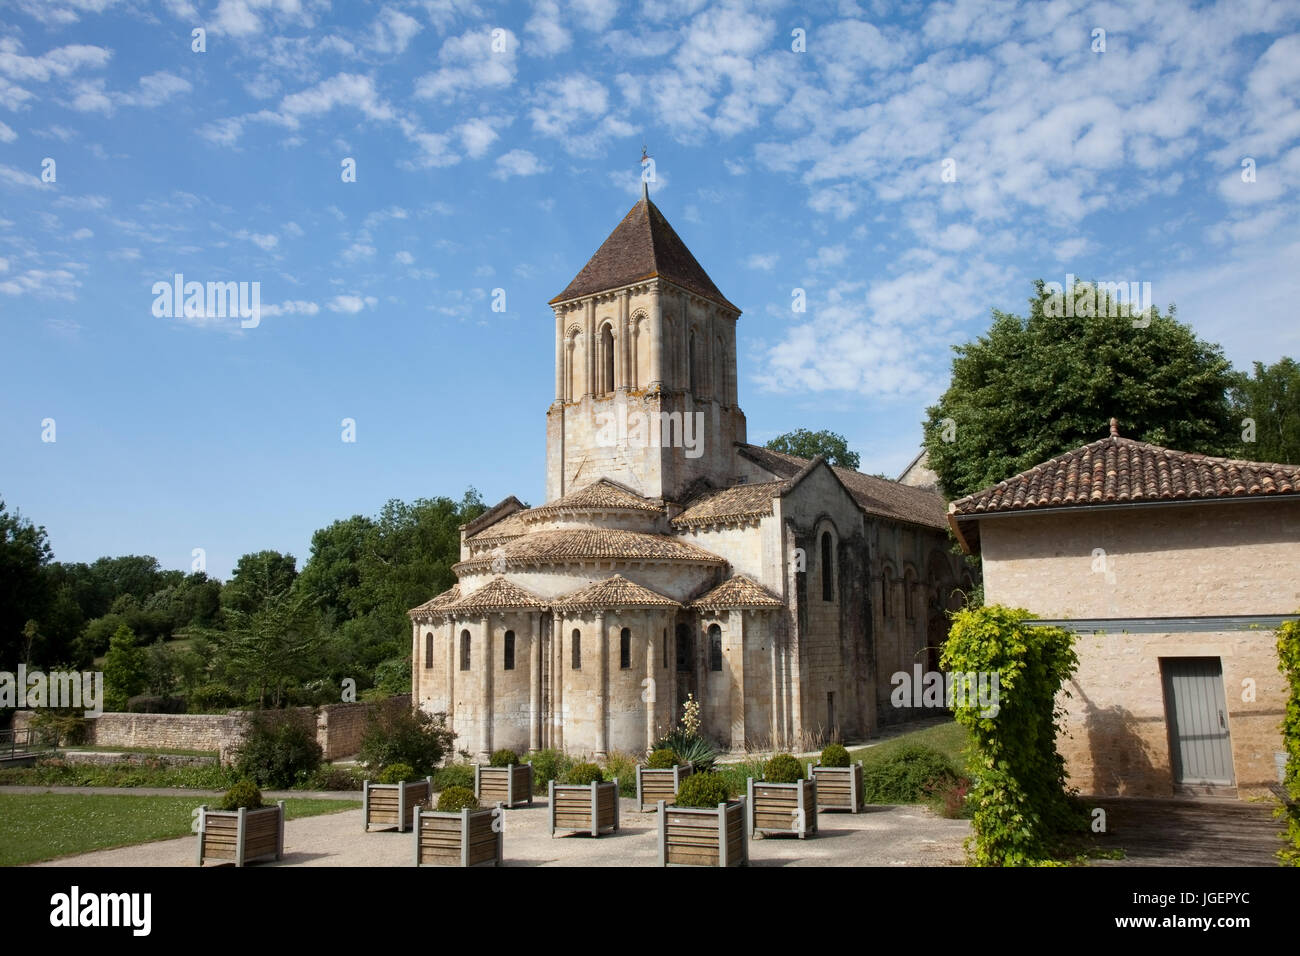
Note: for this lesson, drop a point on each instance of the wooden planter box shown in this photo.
(655, 785)
(241, 836)
(511, 786)
(588, 808)
(838, 788)
(467, 838)
(393, 804)
(703, 837)
(782, 807)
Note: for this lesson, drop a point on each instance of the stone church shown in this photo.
(671, 557)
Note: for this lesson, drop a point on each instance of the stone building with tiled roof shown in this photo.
(673, 558)
(1174, 570)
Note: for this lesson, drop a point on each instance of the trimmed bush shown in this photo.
(454, 775)
(621, 766)
(397, 773)
(783, 768)
(406, 736)
(704, 790)
(584, 774)
(661, 759)
(243, 795)
(278, 752)
(503, 758)
(455, 799)
(549, 765)
(908, 775)
(835, 756)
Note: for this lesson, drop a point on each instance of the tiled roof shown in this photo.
(643, 245)
(511, 526)
(435, 605)
(1117, 470)
(738, 501)
(601, 495)
(497, 595)
(614, 592)
(574, 544)
(494, 514)
(739, 592)
(875, 496)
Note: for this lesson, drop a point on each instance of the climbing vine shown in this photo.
(1020, 801)
(1288, 654)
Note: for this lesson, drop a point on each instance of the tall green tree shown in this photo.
(1034, 387)
(25, 593)
(272, 634)
(803, 443)
(255, 576)
(1266, 407)
(126, 669)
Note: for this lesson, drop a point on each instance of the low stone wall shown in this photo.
(338, 728)
(102, 758)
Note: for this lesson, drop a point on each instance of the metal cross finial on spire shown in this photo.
(645, 180)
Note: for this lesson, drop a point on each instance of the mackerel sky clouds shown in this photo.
(495, 147)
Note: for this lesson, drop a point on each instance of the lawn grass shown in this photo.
(950, 739)
(43, 826)
(157, 751)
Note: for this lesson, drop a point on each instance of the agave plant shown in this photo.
(690, 748)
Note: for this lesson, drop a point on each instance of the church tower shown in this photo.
(645, 368)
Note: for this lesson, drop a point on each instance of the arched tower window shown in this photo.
(510, 651)
(690, 361)
(464, 650)
(428, 649)
(606, 360)
(625, 649)
(828, 568)
(576, 651)
(715, 647)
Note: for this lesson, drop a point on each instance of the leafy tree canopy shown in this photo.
(1271, 400)
(803, 443)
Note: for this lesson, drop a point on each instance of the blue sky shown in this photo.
(482, 169)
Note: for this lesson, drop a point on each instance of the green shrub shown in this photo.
(242, 795)
(690, 748)
(661, 759)
(397, 773)
(503, 758)
(584, 774)
(702, 790)
(783, 768)
(402, 735)
(1288, 662)
(621, 766)
(334, 778)
(277, 751)
(60, 727)
(908, 775)
(454, 775)
(835, 756)
(455, 799)
(736, 775)
(549, 765)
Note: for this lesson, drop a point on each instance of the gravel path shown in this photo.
(879, 836)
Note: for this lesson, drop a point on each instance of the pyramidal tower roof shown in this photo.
(641, 247)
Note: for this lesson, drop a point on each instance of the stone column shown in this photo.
(651, 690)
(733, 661)
(485, 690)
(590, 338)
(451, 672)
(417, 663)
(624, 342)
(557, 681)
(656, 338)
(778, 737)
(535, 685)
(559, 355)
(602, 688)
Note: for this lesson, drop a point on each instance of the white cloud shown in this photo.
(291, 307)
(82, 234)
(469, 62)
(343, 89)
(764, 262)
(358, 250)
(43, 283)
(829, 256)
(546, 35)
(404, 258)
(19, 178)
(518, 162)
(292, 229)
(60, 62)
(392, 31)
(572, 99)
(264, 241)
(7, 135)
(476, 136)
(352, 304)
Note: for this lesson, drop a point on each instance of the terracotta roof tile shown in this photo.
(738, 501)
(601, 495)
(497, 595)
(574, 544)
(511, 526)
(875, 496)
(436, 604)
(739, 592)
(614, 592)
(643, 245)
(1118, 470)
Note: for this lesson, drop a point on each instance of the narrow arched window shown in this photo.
(464, 650)
(607, 359)
(828, 568)
(625, 649)
(510, 651)
(576, 652)
(715, 647)
(690, 360)
(428, 649)
(683, 647)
